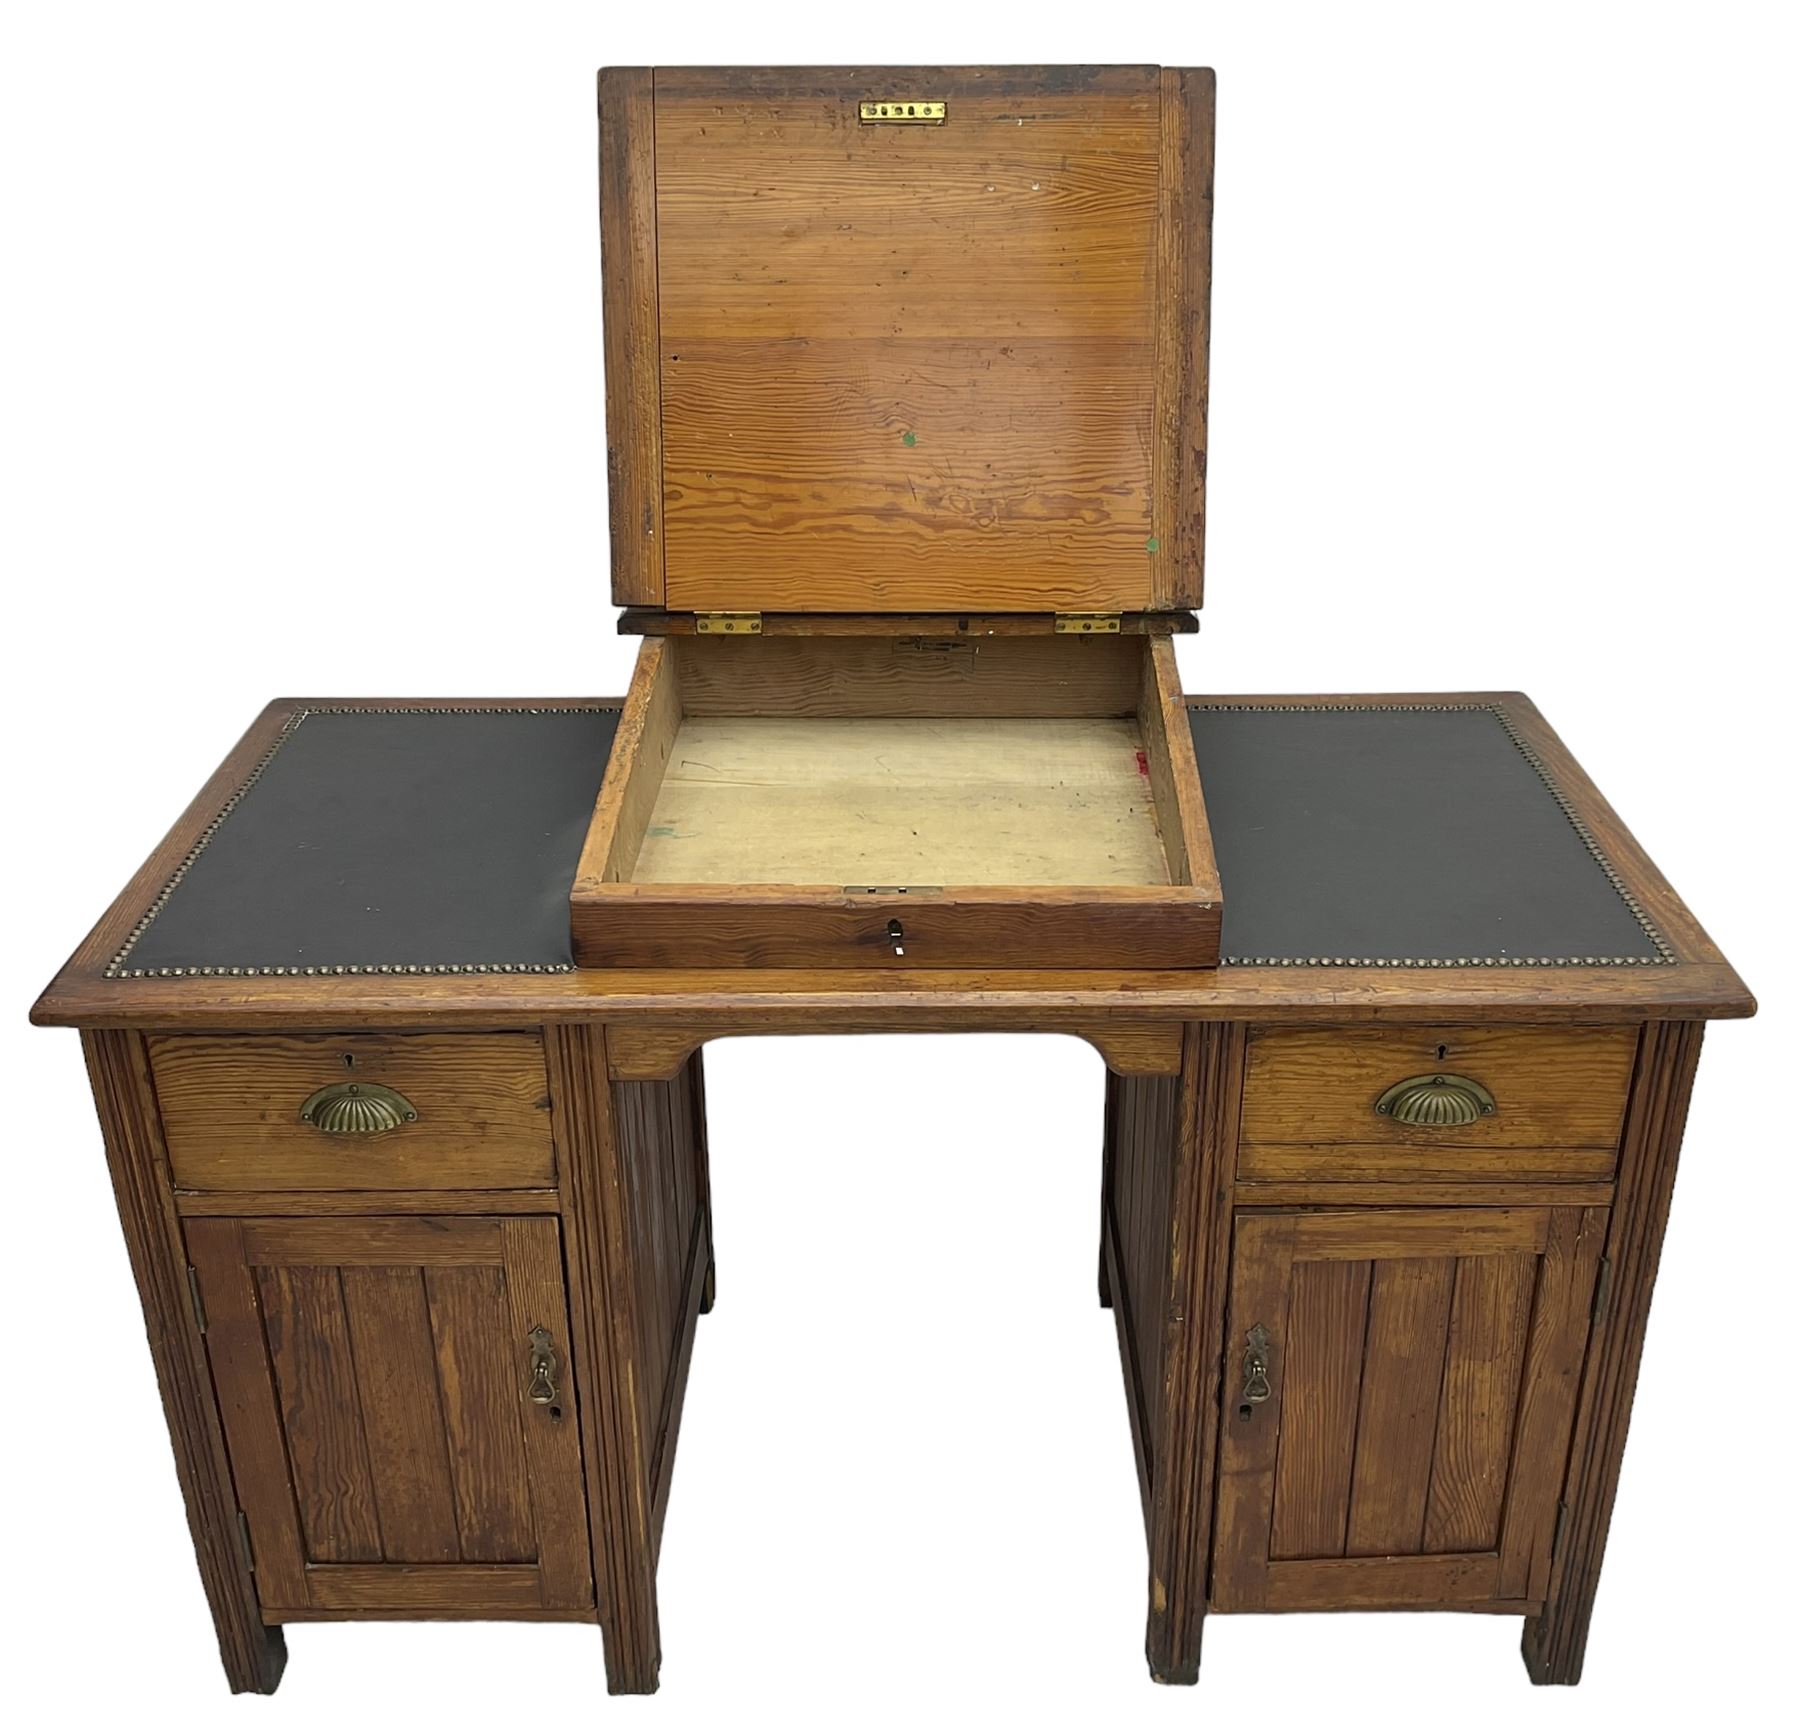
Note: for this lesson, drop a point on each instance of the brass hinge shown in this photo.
(1087, 623)
(244, 1546)
(1602, 1291)
(902, 111)
(1562, 1522)
(728, 625)
(195, 1301)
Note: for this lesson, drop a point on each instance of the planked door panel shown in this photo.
(1482, 1362)
(373, 1375)
(307, 1330)
(1396, 1427)
(1422, 1368)
(489, 1479)
(401, 1415)
(1328, 1313)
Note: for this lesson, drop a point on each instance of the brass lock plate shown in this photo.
(902, 111)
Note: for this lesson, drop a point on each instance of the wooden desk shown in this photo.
(431, 1364)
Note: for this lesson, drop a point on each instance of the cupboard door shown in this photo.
(398, 1405)
(1399, 1391)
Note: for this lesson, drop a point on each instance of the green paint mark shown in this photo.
(909, 438)
(1152, 546)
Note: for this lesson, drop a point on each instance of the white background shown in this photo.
(302, 394)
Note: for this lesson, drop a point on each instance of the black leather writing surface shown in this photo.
(405, 840)
(1356, 834)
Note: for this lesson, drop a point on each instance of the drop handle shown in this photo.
(1256, 1370)
(542, 1388)
(897, 938)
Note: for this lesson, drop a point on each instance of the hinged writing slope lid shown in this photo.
(865, 361)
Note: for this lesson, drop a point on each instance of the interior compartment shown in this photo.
(904, 800)
(1013, 800)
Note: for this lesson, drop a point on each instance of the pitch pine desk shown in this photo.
(396, 1039)
(419, 1211)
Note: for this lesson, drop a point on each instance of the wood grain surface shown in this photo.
(254, 1652)
(645, 1052)
(908, 367)
(1142, 1149)
(1422, 1367)
(821, 926)
(231, 1111)
(1409, 1310)
(633, 369)
(372, 1377)
(811, 802)
(1186, 1448)
(1555, 1642)
(1560, 1090)
(965, 623)
(867, 800)
(661, 1127)
(913, 676)
(619, 1450)
(1183, 336)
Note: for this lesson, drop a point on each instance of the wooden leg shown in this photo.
(1184, 1438)
(253, 1653)
(709, 1290)
(637, 1236)
(1556, 1640)
(1106, 1182)
(608, 1345)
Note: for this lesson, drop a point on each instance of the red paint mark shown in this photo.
(1143, 765)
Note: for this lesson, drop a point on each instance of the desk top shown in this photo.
(381, 841)
(1360, 834)
(360, 863)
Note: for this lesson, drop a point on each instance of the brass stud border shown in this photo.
(116, 970)
(1665, 954)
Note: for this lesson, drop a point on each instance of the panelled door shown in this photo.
(398, 1406)
(1399, 1390)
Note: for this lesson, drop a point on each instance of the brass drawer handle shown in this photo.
(542, 1388)
(1438, 1100)
(357, 1109)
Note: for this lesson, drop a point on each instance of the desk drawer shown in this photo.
(354, 1112)
(995, 802)
(1376, 1102)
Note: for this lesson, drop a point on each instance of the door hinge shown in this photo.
(1556, 1535)
(728, 625)
(1602, 1291)
(1085, 624)
(195, 1300)
(244, 1546)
